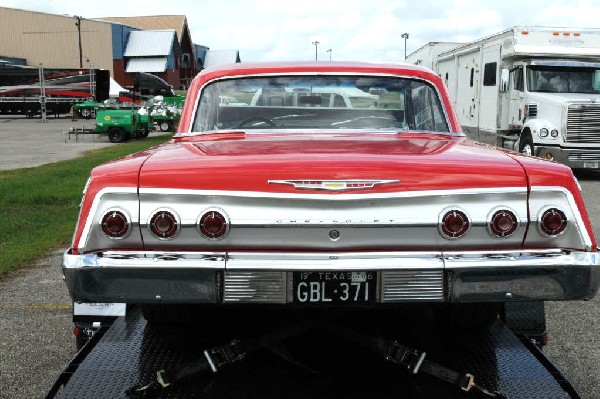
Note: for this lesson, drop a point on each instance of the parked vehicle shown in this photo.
(306, 208)
(119, 124)
(22, 90)
(531, 89)
(165, 114)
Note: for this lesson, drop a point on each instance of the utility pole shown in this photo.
(78, 25)
(329, 51)
(316, 43)
(405, 37)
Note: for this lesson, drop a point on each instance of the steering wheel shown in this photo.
(256, 119)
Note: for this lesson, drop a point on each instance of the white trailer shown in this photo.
(535, 90)
(427, 55)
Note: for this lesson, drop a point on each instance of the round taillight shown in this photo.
(503, 223)
(213, 224)
(164, 225)
(115, 224)
(454, 224)
(553, 222)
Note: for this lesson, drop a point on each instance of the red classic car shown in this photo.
(329, 184)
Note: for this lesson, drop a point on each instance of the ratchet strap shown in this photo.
(217, 358)
(412, 360)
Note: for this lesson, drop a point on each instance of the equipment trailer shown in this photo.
(132, 358)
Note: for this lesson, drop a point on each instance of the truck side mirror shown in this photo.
(504, 80)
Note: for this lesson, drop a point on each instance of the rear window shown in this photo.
(320, 102)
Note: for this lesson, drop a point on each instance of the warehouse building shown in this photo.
(161, 45)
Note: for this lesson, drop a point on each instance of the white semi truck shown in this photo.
(535, 90)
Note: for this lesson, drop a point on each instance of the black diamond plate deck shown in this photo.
(131, 352)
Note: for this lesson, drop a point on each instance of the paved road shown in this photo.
(30, 142)
(35, 310)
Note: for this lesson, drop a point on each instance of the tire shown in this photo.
(86, 113)
(164, 126)
(116, 135)
(468, 316)
(526, 145)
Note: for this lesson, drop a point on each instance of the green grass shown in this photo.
(39, 206)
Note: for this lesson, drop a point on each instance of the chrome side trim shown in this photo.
(344, 197)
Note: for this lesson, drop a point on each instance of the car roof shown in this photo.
(255, 68)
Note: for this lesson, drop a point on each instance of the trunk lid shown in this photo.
(240, 162)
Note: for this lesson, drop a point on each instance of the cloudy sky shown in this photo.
(364, 30)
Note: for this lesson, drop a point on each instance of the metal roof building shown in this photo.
(151, 51)
(151, 43)
(220, 57)
(188, 66)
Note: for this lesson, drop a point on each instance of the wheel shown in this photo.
(256, 119)
(86, 113)
(143, 133)
(116, 135)
(468, 316)
(526, 145)
(164, 126)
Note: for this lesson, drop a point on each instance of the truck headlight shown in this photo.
(554, 133)
(543, 132)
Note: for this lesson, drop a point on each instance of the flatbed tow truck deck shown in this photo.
(310, 364)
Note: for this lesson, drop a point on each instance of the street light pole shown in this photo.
(316, 43)
(78, 25)
(404, 36)
(329, 51)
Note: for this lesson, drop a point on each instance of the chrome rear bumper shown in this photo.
(236, 277)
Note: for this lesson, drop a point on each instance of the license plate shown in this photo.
(336, 288)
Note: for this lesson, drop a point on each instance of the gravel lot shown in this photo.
(35, 310)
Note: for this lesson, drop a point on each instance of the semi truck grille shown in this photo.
(588, 156)
(583, 123)
(532, 110)
(413, 285)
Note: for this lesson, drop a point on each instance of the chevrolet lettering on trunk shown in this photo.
(328, 185)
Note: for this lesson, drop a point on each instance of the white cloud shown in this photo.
(353, 29)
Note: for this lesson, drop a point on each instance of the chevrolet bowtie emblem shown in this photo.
(333, 185)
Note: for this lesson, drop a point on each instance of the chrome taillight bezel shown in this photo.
(456, 212)
(502, 212)
(213, 213)
(164, 213)
(548, 211)
(122, 214)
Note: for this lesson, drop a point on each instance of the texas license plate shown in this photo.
(336, 288)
